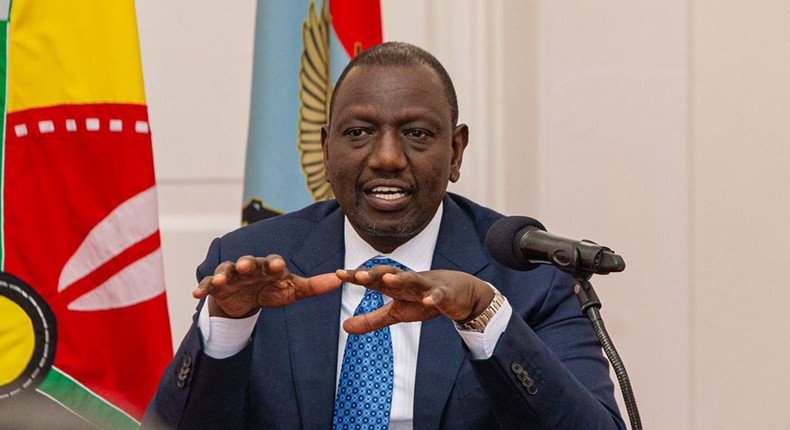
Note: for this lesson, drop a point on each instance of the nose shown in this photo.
(388, 153)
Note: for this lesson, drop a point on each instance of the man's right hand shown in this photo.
(238, 290)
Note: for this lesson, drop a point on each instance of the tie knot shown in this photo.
(383, 261)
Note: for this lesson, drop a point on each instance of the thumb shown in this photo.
(370, 321)
(316, 285)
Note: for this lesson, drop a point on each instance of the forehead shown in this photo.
(385, 88)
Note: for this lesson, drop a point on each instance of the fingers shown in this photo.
(244, 268)
(410, 292)
(392, 313)
(203, 289)
(367, 323)
(267, 282)
(377, 278)
(252, 282)
(400, 285)
(457, 295)
(248, 265)
(371, 321)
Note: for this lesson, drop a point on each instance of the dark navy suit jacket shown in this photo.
(547, 371)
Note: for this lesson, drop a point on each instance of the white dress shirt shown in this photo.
(224, 337)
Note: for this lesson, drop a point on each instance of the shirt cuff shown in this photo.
(481, 345)
(224, 337)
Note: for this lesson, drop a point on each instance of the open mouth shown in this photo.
(388, 198)
(387, 193)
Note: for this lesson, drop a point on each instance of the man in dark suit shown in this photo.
(460, 342)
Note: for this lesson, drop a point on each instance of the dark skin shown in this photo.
(389, 153)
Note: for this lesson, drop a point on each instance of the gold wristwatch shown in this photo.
(479, 323)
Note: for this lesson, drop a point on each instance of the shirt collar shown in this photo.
(416, 254)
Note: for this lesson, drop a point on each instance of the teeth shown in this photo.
(387, 193)
(389, 196)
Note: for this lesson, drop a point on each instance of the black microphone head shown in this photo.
(503, 241)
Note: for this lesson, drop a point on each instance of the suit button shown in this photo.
(523, 376)
(183, 373)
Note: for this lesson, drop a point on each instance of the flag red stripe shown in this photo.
(356, 21)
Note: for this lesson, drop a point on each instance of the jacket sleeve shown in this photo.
(198, 391)
(548, 370)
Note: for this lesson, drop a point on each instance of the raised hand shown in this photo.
(238, 289)
(417, 296)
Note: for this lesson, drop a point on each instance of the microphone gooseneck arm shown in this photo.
(591, 305)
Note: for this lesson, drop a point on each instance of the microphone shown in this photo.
(522, 243)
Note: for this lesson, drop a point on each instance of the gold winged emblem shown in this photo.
(315, 91)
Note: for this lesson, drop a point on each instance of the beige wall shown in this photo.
(740, 151)
(657, 128)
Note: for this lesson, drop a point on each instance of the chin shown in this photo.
(388, 231)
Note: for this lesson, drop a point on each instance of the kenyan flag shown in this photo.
(84, 331)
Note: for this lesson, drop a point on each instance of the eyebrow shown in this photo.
(369, 113)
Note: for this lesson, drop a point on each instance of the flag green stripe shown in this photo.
(3, 92)
(86, 404)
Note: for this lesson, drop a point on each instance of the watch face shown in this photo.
(28, 336)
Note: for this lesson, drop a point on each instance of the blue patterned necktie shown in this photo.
(364, 392)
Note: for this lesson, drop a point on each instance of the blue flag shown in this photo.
(300, 50)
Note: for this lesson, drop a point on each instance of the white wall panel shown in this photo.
(613, 168)
(197, 59)
(740, 157)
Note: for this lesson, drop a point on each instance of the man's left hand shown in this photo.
(417, 296)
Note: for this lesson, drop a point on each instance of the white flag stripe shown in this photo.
(131, 222)
(92, 124)
(20, 130)
(136, 283)
(141, 127)
(46, 126)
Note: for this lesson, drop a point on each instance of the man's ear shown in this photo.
(460, 140)
(324, 138)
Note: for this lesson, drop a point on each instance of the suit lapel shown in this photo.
(441, 351)
(313, 324)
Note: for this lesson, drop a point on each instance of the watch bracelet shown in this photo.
(479, 323)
